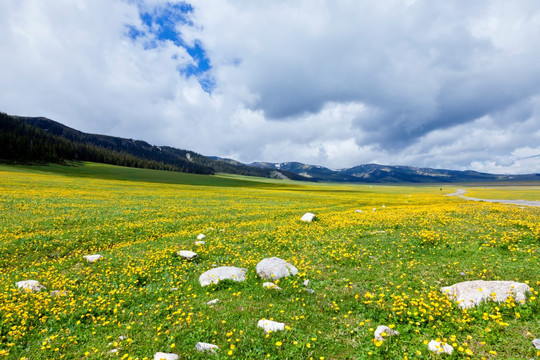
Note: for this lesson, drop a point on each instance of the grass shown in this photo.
(382, 266)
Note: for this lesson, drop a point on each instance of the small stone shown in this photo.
(122, 337)
(306, 282)
(30, 285)
(206, 347)
(186, 254)
(58, 293)
(165, 356)
(471, 293)
(215, 275)
(536, 343)
(358, 211)
(438, 348)
(271, 285)
(92, 258)
(269, 325)
(382, 329)
(200, 243)
(311, 291)
(308, 217)
(201, 236)
(275, 268)
(212, 302)
(113, 351)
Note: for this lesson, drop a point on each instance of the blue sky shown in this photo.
(336, 83)
(161, 22)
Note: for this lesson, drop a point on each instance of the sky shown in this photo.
(337, 83)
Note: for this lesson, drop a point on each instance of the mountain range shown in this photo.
(41, 140)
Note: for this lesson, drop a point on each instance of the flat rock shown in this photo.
(536, 343)
(92, 258)
(383, 331)
(471, 293)
(200, 243)
(215, 275)
(439, 348)
(358, 211)
(212, 302)
(308, 217)
(186, 254)
(271, 285)
(201, 236)
(165, 356)
(206, 347)
(269, 325)
(275, 268)
(30, 285)
(58, 293)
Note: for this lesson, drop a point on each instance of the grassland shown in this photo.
(382, 266)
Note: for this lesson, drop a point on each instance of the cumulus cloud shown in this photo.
(334, 83)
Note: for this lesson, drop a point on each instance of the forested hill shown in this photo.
(41, 140)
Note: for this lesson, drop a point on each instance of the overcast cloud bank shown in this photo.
(335, 83)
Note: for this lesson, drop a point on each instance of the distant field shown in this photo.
(383, 266)
(506, 192)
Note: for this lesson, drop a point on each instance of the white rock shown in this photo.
(199, 243)
(386, 330)
(212, 302)
(186, 254)
(308, 217)
(275, 268)
(58, 293)
(165, 356)
(112, 351)
(306, 282)
(269, 325)
(214, 276)
(471, 293)
(201, 236)
(536, 343)
(206, 347)
(271, 285)
(438, 348)
(30, 285)
(358, 211)
(92, 258)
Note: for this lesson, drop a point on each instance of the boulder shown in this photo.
(271, 285)
(269, 325)
(308, 217)
(186, 254)
(383, 331)
(439, 348)
(471, 293)
(201, 236)
(215, 275)
(92, 258)
(165, 356)
(275, 268)
(30, 285)
(206, 347)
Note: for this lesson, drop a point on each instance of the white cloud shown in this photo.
(335, 83)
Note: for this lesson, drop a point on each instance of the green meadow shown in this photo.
(384, 265)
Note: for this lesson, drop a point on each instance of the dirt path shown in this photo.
(460, 193)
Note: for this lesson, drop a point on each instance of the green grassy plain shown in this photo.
(383, 266)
